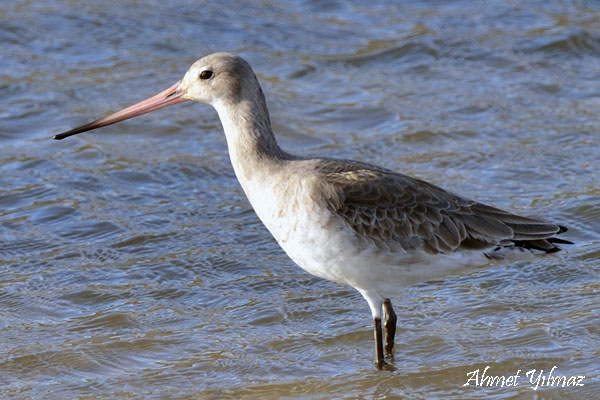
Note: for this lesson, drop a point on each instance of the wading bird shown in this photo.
(347, 221)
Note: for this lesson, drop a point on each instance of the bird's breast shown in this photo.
(302, 226)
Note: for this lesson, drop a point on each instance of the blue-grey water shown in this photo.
(132, 266)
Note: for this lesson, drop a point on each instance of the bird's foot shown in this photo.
(384, 366)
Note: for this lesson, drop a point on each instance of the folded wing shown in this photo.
(384, 206)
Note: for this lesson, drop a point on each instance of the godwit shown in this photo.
(346, 221)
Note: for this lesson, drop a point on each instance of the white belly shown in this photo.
(323, 245)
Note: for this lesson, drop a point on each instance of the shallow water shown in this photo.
(131, 265)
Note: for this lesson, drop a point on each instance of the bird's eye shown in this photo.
(206, 74)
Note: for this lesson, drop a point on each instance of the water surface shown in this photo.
(131, 264)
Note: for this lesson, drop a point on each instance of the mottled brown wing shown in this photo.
(389, 207)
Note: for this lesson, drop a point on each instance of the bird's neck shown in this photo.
(252, 146)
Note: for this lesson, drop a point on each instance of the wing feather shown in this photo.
(385, 206)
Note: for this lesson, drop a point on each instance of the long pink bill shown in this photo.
(168, 97)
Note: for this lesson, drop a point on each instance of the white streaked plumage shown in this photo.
(341, 220)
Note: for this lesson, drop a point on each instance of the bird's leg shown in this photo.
(376, 304)
(379, 362)
(390, 327)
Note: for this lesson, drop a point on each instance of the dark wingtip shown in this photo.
(561, 241)
(548, 245)
(555, 240)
